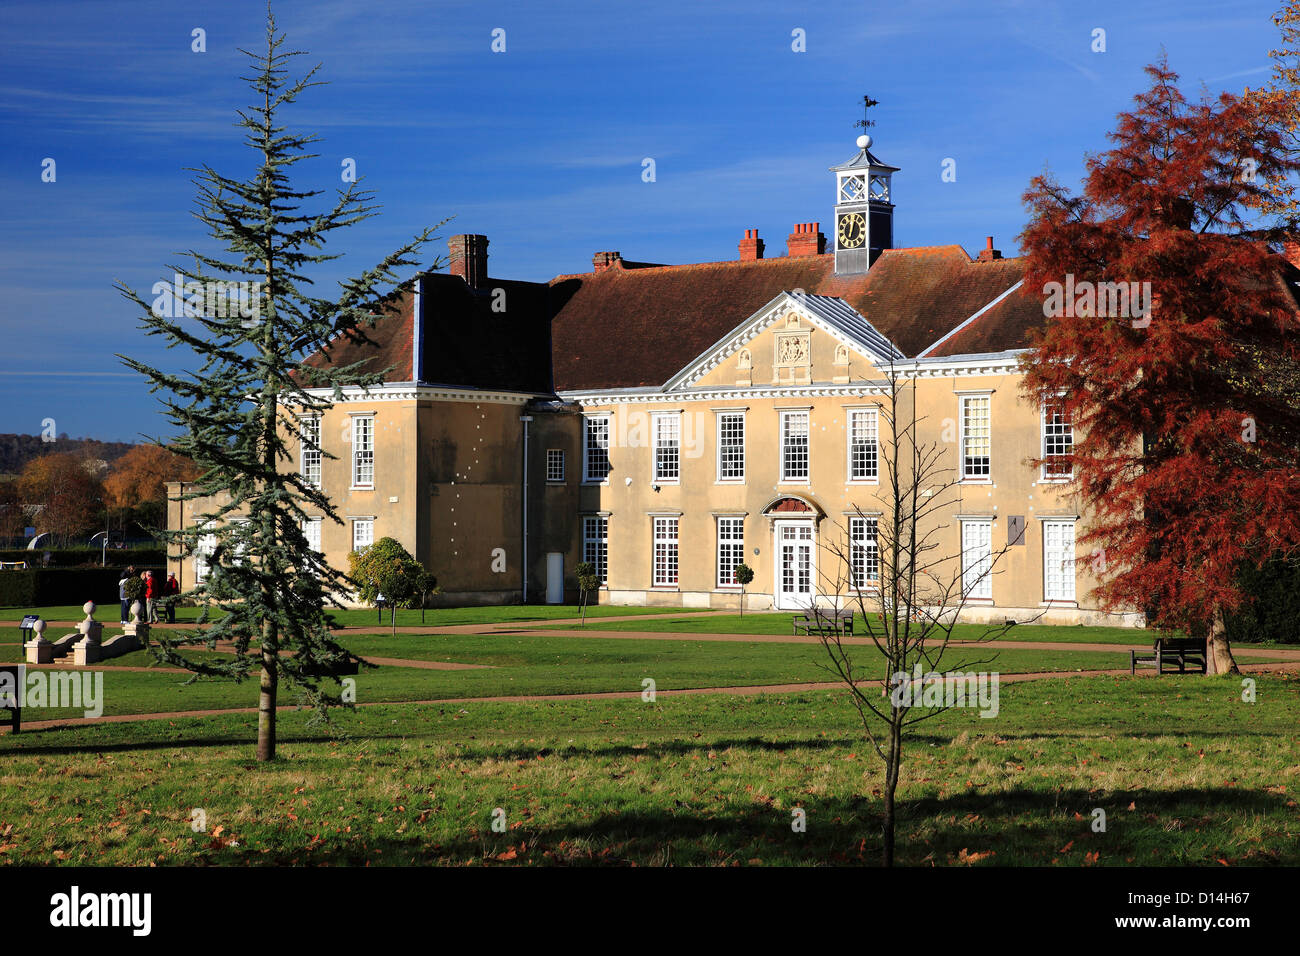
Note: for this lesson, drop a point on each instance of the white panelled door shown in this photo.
(977, 558)
(795, 565)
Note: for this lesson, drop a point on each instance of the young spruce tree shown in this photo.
(238, 412)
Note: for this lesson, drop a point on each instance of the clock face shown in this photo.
(852, 230)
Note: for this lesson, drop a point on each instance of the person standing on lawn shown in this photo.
(171, 589)
(121, 594)
(151, 596)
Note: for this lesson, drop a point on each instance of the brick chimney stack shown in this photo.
(606, 260)
(751, 247)
(988, 253)
(468, 259)
(806, 240)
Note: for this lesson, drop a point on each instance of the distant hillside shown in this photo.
(17, 450)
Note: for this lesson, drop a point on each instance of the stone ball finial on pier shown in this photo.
(39, 650)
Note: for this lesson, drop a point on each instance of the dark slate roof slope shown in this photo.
(842, 316)
(465, 342)
(468, 343)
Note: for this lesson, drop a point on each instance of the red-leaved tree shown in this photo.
(1186, 414)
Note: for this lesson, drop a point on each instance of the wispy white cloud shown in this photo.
(1254, 71)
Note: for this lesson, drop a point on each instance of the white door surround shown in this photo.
(795, 564)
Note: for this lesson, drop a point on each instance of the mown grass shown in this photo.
(533, 664)
(360, 617)
(1186, 772)
(779, 623)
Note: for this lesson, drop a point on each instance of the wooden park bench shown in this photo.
(11, 695)
(823, 621)
(1171, 655)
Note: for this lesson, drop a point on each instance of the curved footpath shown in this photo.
(741, 691)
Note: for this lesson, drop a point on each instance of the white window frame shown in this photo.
(730, 550)
(238, 548)
(1068, 425)
(588, 423)
(666, 437)
(722, 419)
(787, 416)
(203, 548)
(977, 583)
(311, 530)
(871, 415)
(664, 540)
(595, 545)
(864, 545)
(363, 457)
(976, 477)
(357, 525)
(310, 458)
(555, 465)
(1066, 591)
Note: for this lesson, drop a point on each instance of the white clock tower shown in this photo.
(864, 210)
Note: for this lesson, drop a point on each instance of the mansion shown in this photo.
(667, 422)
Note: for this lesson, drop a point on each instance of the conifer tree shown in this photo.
(238, 409)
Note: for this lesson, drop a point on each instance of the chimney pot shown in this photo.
(806, 240)
(602, 261)
(751, 247)
(988, 253)
(468, 258)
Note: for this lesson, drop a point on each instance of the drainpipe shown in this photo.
(523, 483)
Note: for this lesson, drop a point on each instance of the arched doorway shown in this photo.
(794, 549)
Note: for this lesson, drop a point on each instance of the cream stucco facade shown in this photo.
(829, 382)
(666, 511)
(668, 422)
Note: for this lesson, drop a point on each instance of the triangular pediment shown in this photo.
(795, 339)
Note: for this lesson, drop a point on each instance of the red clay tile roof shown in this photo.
(638, 328)
(628, 327)
(387, 344)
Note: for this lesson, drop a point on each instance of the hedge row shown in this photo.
(1274, 615)
(74, 557)
(54, 586)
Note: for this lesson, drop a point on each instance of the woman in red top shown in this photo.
(151, 596)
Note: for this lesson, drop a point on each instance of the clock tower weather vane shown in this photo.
(867, 121)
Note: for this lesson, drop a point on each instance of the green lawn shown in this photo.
(1186, 773)
(440, 617)
(779, 622)
(537, 664)
(529, 665)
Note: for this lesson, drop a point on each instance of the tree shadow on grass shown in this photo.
(1017, 827)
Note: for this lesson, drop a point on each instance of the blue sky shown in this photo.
(540, 147)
